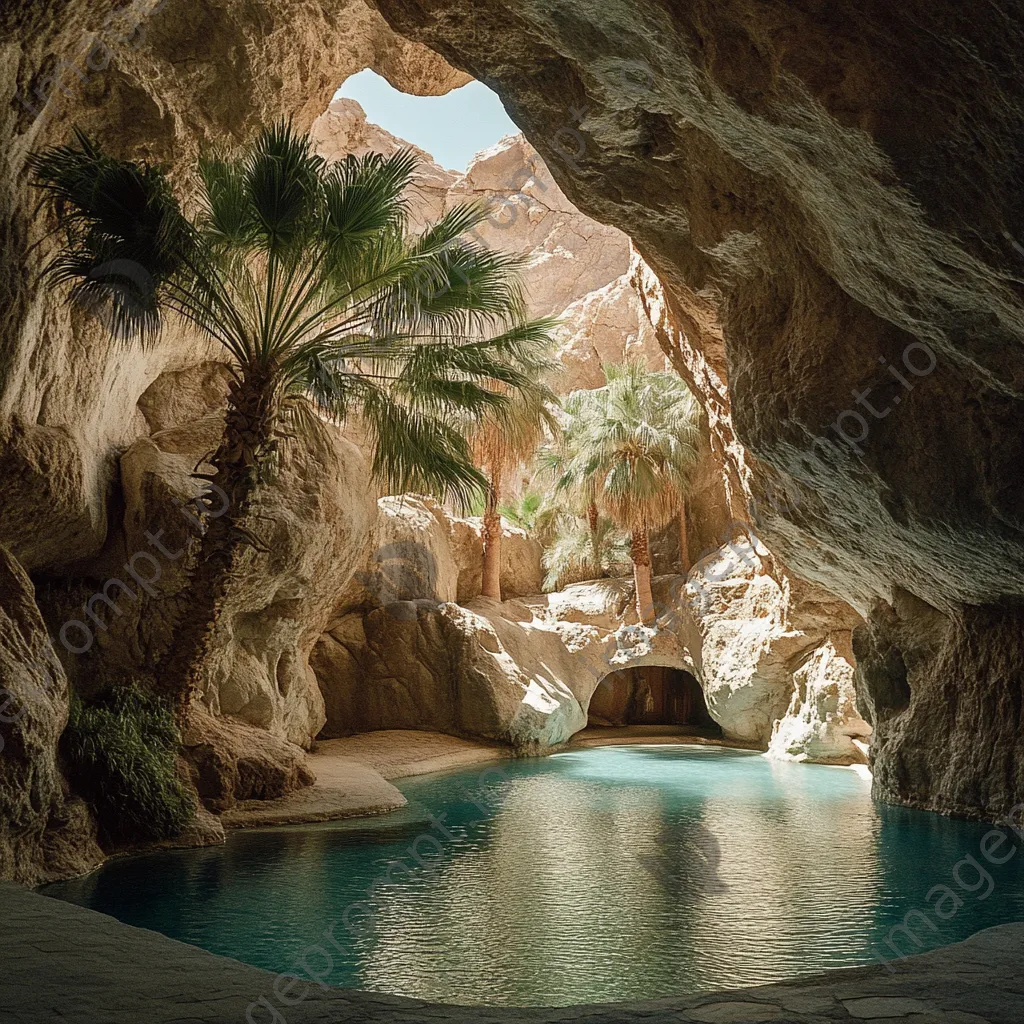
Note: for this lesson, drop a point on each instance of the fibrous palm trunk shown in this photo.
(595, 547)
(248, 439)
(684, 547)
(491, 584)
(640, 551)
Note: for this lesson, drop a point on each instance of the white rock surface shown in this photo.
(769, 658)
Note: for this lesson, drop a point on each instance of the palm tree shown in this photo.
(575, 485)
(636, 445)
(325, 307)
(502, 440)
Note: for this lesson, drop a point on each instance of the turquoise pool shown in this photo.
(616, 873)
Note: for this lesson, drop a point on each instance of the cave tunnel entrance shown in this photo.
(650, 695)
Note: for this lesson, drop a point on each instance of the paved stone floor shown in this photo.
(59, 962)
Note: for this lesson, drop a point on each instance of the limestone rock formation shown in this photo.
(943, 693)
(44, 833)
(770, 657)
(314, 522)
(829, 202)
(402, 654)
(822, 723)
(483, 671)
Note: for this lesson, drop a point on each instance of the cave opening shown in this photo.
(650, 695)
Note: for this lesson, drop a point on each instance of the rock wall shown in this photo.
(830, 199)
(44, 833)
(314, 523)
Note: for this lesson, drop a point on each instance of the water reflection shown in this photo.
(596, 875)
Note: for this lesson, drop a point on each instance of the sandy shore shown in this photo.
(611, 736)
(353, 776)
(400, 753)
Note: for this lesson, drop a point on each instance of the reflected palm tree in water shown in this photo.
(687, 860)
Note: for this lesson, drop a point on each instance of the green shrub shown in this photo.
(120, 751)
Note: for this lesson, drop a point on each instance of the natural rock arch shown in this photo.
(653, 694)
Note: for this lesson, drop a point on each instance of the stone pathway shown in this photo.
(64, 963)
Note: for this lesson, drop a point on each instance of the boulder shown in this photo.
(769, 657)
(519, 672)
(487, 670)
(232, 762)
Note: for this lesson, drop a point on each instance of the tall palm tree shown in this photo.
(636, 444)
(502, 440)
(324, 305)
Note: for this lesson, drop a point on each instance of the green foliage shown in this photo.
(307, 275)
(575, 554)
(538, 514)
(120, 751)
(631, 446)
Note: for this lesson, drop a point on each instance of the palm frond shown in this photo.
(281, 176)
(125, 237)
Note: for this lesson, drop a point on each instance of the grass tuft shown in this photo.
(120, 751)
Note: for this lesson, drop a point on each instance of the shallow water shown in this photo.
(615, 873)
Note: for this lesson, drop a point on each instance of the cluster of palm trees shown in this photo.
(625, 459)
(327, 307)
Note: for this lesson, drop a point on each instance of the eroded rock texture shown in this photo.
(825, 192)
(45, 834)
(774, 655)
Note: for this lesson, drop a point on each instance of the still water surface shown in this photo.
(616, 873)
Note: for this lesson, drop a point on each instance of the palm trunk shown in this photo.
(491, 584)
(247, 440)
(684, 547)
(592, 523)
(640, 550)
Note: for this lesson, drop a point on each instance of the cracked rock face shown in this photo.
(830, 198)
(44, 833)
